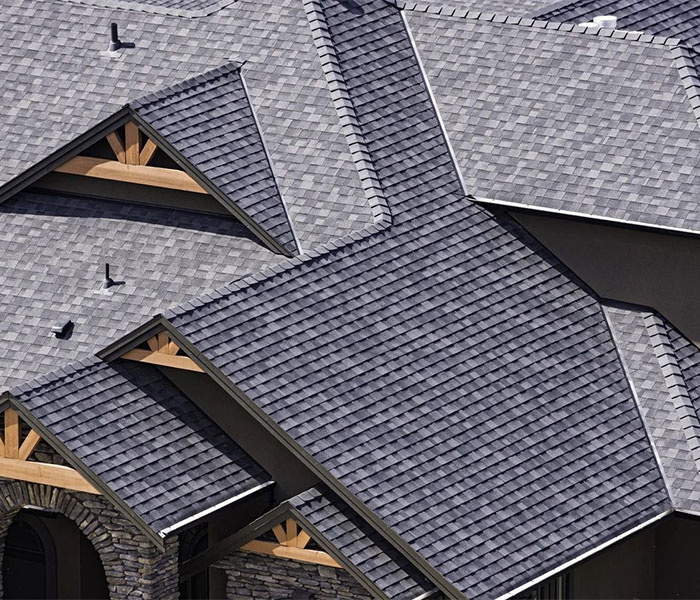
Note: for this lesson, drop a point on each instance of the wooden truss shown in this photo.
(131, 164)
(164, 352)
(291, 543)
(14, 463)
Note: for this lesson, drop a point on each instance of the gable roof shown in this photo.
(563, 120)
(144, 440)
(87, 84)
(441, 369)
(208, 120)
(664, 369)
(668, 18)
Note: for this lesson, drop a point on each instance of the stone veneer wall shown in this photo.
(134, 566)
(269, 578)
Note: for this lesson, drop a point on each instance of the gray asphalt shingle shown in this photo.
(669, 18)
(209, 121)
(142, 437)
(565, 120)
(54, 247)
(442, 369)
(380, 562)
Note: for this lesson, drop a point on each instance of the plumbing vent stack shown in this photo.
(606, 22)
(108, 281)
(114, 43)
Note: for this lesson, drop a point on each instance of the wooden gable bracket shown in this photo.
(163, 351)
(291, 543)
(14, 463)
(131, 164)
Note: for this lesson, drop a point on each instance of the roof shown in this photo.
(209, 121)
(54, 247)
(422, 356)
(664, 370)
(366, 550)
(565, 120)
(285, 83)
(669, 18)
(144, 439)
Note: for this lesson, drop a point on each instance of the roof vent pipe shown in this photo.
(115, 43)
(606, 21)
(108, 281)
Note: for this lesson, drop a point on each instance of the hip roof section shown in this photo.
(564, 120)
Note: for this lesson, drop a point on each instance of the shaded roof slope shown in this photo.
(564, 120)
(664, 370)
(669, 18)
(56, 49)
(143, 438)
(443, 368)
(54, 247)
(209, 121)
(368, 551)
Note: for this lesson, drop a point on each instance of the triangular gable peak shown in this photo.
(199, 136)
(18, 447)
(290, 541)
(133, 151)
(161, 349)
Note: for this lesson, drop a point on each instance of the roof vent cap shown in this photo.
(606, 21)
(62, 330)
(115, 42)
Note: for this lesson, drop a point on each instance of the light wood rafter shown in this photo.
(14, 463)
(163, 351)
(131, 164)
(291, 543)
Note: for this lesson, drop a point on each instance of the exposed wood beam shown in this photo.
(153, 343)
(160, 358)
(101, 168)
(149, 149)
(29, 444)
(115, 142)
(47, 474)
(301, 554)
(303, 539)
(280, 533)
(133, 150)
(11, 434)
(292, 531)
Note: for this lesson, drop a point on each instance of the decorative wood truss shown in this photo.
(14, 463)
(131, 164)
(161, 350)
(291, 543)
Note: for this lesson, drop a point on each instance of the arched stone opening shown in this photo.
(133, 566)
(47, 556)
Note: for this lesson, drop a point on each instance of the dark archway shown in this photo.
(47, 556)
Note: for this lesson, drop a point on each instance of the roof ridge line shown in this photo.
(675, 382)
(681, 55)
(346, 112)
(476, 15)
(138, 6)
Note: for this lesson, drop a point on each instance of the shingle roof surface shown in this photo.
(443, 368)
(670, 18)
(147, 441)
(566, 120)
(664, 369)
(53, 250)
(380, 562)
(57, 49)
(208, 120)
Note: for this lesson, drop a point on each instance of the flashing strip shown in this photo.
(589, 217)
(168, 530)
(583, 556)
(285, 206)
(433, 101)
(427, 595)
